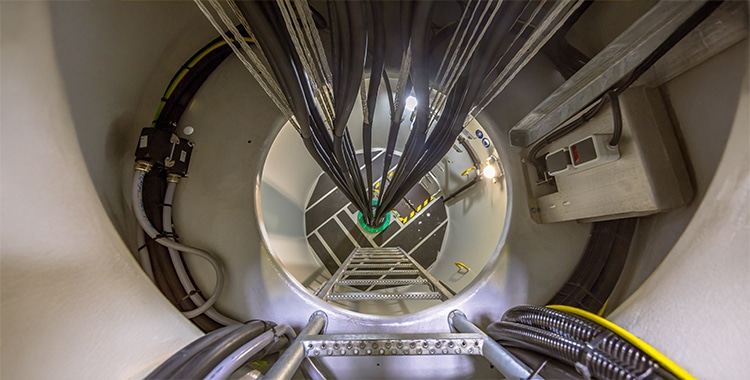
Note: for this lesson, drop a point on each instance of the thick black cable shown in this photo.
(600, 267)
(288, 71)
(566, 57)
(420, 76)
(450, 123)
(376, 50)
(614, 102)
(397, 109)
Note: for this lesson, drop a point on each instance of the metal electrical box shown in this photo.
(648, 177)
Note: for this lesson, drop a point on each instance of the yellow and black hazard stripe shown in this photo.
(420, 206)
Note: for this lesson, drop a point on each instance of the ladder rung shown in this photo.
(394, 281)
(381, 265)
(364, 296)
(383, 256)
(378, 249)
(379, 272)
(374, 261)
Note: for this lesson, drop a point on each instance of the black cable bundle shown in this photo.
(599, 269)
(165, 275)
(180, 92)
(357, 31)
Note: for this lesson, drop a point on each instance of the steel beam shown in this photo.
(291, 359)
(608, 67)
(504, 361)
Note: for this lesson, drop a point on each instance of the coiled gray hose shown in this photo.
(554, 321)
(198, 358)
(590, 348)
(173, 364)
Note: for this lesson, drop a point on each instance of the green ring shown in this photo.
(374, 229)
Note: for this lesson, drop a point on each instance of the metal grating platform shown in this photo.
(339, 287)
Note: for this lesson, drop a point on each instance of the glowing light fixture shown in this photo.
(411, 103)
(490, 169)
(489, 172)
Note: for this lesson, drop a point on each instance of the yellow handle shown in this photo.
(461, 266)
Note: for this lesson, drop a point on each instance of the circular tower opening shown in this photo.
(450, 223)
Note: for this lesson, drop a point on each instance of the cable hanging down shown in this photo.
(317, 88)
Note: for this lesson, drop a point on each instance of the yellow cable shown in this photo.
(660, 358)
(178, 78)
(604, 307)
(175, 82)
(467, 171)
(204, 53)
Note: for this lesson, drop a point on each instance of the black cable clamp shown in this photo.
(167, 235)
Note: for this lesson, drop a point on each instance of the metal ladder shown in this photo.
(465, 338)
(376, 268)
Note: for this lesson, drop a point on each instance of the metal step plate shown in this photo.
(393, 344)
(371, 296)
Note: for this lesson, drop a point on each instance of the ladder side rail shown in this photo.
(328, 288)
(435, 284)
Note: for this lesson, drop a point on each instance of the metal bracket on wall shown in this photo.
(612, 64)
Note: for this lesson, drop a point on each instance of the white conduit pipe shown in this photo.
(179, 265)
(140, 215)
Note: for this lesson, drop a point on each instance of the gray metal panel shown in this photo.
(609, 66)
(649, 177)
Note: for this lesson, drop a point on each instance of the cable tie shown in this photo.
(585, 356)
(584, 371)
(190, 294)
(275, 334)
(591, 347)
(168, 235)
(647, 374)
(581, 287)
